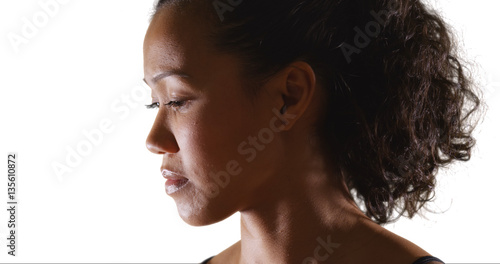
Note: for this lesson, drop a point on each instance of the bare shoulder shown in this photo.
(229, 255)
(396, 249)
(384, 247)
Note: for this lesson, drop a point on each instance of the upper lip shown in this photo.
(171, 175)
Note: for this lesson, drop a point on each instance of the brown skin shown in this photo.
(287, 194)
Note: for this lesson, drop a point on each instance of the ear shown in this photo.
(293, 87)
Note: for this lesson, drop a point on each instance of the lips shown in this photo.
(175, 181)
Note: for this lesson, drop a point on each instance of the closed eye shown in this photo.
(173, 104)
(176, 104)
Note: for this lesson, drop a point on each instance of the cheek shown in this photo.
(231, 143)
(211, 140)
(208, 147)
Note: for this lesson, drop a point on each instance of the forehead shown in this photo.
(174, 40)
(179, 42)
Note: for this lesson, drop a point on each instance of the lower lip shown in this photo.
(173, 186)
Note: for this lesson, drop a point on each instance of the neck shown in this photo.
(309, 217)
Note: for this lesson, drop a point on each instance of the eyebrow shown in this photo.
(166, 74)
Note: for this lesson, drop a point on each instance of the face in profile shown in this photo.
(207, 125)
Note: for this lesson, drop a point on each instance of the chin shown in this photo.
(197, 221)
(201, 216)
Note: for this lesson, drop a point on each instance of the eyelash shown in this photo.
(153, 106)
(173, 104)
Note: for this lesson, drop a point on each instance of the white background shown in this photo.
(80, 68)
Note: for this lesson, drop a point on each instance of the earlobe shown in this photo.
(283, 109)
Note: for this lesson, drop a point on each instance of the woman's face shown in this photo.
(215, 142)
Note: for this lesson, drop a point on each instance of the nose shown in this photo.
(161, 140)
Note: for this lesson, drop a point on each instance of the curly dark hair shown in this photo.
(399, 101)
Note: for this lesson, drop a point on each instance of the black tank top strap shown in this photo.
(207, 260)
(424, 260)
